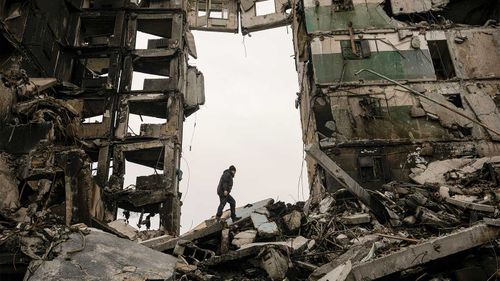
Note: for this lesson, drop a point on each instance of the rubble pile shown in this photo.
(449, 217)
(339, 236)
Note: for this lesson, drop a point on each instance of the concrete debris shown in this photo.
(258, 219)
(399, 110)
(325, 204)
(124, 228)
(339, 273)
(441, 171)
(244, 238)
(268, 229)
(471, 205)
(293, 221)
(417, 6)
(245, 212)
(341, 242)
(274, 262)
(185, 267)
(296, 244)
(102, 256)
(356, 219)
(431, 250)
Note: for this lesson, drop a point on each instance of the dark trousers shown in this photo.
(226, 199)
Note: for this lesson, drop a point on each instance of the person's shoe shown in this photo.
(217, 219)
(235, 218)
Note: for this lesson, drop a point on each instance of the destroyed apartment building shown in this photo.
(401, 127)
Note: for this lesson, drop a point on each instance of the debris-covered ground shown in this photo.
(442, 227)
(442, 221)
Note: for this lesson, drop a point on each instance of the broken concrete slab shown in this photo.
(428, 251)
(471, 206)
(185, 267)
(448, 118)
(258, 219)
(244, 238)
(297, 244)
(354, 254)
(293, 220)
(293, 245)
(191, 251)
(275, 263)
(268, 229)
(102, 256)
(121, 226)
(340, 273)
(246, 251)
(167, 242)
(485, 109)
(206, 228)
(245, 211)
(263, 211)
(435, 172)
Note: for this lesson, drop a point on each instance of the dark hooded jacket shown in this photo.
(225, 182)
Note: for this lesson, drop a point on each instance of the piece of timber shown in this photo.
(423, 253)
(348, 182)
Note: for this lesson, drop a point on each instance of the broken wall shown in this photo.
(66, 70)
(358, 52)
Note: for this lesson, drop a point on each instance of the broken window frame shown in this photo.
(362, 49)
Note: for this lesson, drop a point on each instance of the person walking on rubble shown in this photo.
(224, 190)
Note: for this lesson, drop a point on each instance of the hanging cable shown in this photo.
(244, 46)
(188, 180)
(194, 129)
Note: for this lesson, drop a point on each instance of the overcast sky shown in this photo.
(249, 120)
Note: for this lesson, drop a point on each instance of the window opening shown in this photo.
(362, 49)
(455, 99)
(441, 59)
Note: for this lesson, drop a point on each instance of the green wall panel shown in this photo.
(323, 18)
(402, 65)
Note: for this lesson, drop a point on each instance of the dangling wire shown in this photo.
(244, 46)
(194, 129)
(189, 178)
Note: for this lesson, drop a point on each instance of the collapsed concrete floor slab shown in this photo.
(90, 254)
